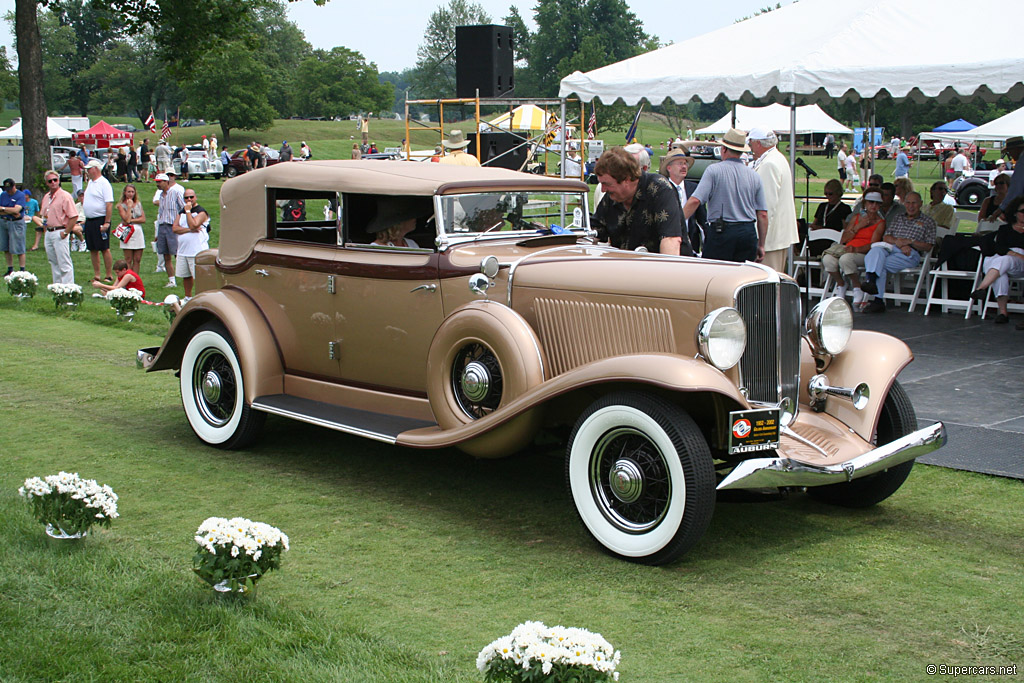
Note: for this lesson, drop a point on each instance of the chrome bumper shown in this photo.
(144, 357)
(775, 472)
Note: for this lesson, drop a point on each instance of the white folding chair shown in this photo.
(944, 274)
(813, 263)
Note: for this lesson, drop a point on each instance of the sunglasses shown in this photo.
(52, 180)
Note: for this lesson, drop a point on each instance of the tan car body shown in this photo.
(568, 319)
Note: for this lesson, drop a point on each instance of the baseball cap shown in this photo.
(759, 133)
(160, 176)
(94, 163)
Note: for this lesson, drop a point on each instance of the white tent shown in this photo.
(809, 119)
(524, 117)
(54, 131)
(821, 50)
(999, 129)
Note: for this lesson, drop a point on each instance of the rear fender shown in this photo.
(258, 353)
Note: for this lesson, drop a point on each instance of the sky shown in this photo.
(387, 32)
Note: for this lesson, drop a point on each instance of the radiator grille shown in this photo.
(577, 332)
(770, 367)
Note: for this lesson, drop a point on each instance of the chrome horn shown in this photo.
(819, 390)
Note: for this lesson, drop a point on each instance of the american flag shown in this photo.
(166, 132)
(592, 124)
(150, 122)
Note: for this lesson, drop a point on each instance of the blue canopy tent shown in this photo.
(957, 126)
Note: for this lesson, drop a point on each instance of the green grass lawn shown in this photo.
(405, 563)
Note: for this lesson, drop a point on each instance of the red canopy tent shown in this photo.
(103, 135)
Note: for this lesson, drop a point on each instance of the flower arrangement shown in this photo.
(124, 301)
(21, 284)
(65, 294)
(234, 553)
(535, 652)
(68, 505)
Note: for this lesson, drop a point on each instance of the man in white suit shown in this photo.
(773, 168)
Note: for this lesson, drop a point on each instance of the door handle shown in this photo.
(262, 273)
(427, 288)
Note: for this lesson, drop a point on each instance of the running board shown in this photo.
(376, 426)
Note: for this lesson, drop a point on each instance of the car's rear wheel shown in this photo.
(897, 419)
(231, 172)
(213, 392)
(641, 476)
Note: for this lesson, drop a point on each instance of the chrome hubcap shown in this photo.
(211, 386)
(626, 481)
(476, 381)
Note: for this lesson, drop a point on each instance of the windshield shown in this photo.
(530, 212)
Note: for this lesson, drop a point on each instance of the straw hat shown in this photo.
(735, 140)
(456, 139)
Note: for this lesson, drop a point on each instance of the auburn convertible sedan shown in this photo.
(436, 306)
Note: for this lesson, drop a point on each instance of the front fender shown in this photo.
(664, 371)
(870, 357)
(258, 352)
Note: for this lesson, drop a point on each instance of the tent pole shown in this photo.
(792, 170)
(871, 136)
(733, 124)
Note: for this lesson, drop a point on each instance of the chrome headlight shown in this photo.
(829, 326)
(722, 337)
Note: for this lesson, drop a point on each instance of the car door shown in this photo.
(389, 306)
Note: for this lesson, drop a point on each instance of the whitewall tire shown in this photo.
(212, 390)
(641, 476)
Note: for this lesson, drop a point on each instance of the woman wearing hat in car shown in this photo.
(456, 146)
(395, 219)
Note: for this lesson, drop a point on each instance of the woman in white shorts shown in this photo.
(133, 214)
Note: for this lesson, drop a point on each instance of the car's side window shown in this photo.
(389, 222)
(303, 215)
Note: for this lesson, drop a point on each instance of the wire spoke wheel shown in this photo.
(477, 380)
(214, 386)
(630, 480)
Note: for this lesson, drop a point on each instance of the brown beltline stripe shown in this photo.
(438, 266)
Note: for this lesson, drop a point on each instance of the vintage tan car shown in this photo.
(503, 317)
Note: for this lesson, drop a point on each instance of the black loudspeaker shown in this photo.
(493, 147)
(483, 60)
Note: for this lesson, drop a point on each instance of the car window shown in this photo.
(303, 216)
(389, 221)
(531, 212)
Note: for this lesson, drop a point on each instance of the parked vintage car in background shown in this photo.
(199, 162)
(238, 166)
(672, 376)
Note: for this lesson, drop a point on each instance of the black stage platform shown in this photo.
(970, 375)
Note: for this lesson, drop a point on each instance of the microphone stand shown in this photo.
(807, 242)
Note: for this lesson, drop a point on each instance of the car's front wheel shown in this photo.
(213, 392)
(641, 476)
(231, 172)
(972, 195)
(897, 419)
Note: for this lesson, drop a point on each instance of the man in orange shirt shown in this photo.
(59, 216)
(75, 166)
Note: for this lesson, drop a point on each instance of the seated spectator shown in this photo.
(938, 209)
(907, 238)
(844, 259)
(890, 208)
(1007, 262)
(125, 278)
(904, 186)
(1001, 183)
(833, 212)
(874, 185)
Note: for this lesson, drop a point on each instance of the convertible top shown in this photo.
(244, 200)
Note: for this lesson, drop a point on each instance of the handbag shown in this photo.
(836, 250)
(124, 231)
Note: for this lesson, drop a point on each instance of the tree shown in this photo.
(33, 101)
(8, 77)
(581, 35)
(231, 85)
(435, 57)
(339, 83)
(282, 46)
(84, 31)
(130, 76)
